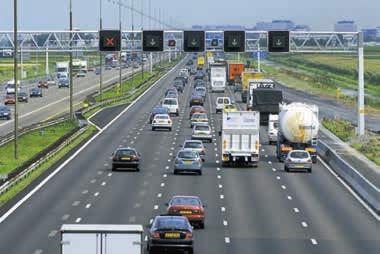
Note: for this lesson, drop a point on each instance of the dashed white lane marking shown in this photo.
(226, 239)
(146, 238)
(150, 221)
(78, 220)
(155, 207)
(283, 187)
(172, 148)
(142, 193)
(137, 205)
(218, 169)
(269, 162)
(217, 162)
(220, 186)
(162, 184)
(109, 174)
(290, 197)
(274, 170)
(53, 233)
(132, 219)
(304, 224)
(266, 156)
(159, 195)
(278, 177)
(165, 175)
(170, 154)
(88, 205)
(132, 142)
(85, 192)
(93, 181)
(216, 149)
(65, 217)
(103, 183)
(167, 167)
(39, 251)
(106, 164)
(96, 194)
(219, 176)
(76, 203)
(223, 209)
(221, 196)
(169, 160)
(145, 183)
(296, 210)
(313, 241)
(263, 150)
(173, 143)
(225, 223)
(120, 146)
(216, 155)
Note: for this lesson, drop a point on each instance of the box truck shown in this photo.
(234, 72)
(218, 77)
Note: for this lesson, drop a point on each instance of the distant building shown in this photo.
(263, 26)
(370, 34)
(345, 26)
(280, 25)
(283, 25)
(302, 28)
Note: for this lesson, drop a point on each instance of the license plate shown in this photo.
(187, 162)
(185, 212)
(299, 166)
(172, 235)
(126, 158)
(196, 101)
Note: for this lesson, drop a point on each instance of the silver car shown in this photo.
(188, 161)
(162, 121)
(298, 160)
(202, 132)
(196, 146)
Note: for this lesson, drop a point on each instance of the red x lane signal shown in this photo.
(109, 40)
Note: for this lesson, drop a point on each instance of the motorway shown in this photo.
(55, 101)
(249, 210)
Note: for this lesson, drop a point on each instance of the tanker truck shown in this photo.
(298, 129)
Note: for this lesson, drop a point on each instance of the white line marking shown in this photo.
(93, 181)
(78, 220)
(85, 192)
(274, 170)
(313, 241)
(137, 205)
(155, 207)
(96, 194)
(167, 167)
(52, 233)
(221, 196)
(304, 224)
(146, 238)
(65, 217)
(103, 183)
(296, 210)
(263, 150)
(226, 239)
(225, 223)
(278, 177)
(269, 162)
(290, 197)
(76, 203)
(217, 162)
(109, 174)
(106, 164)
(220, 186)
(266, 156)
(39, 251)
(223, 209)
(353, 193)
(169, 160)
(162, 184)
(170, 154)
(283, 187)
(88, 205)
(216, 155)
(219, 176)
(218, 169)
(165, 175)
(216, 149)
(159, 195)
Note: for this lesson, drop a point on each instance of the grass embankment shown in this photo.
(346, 132)
(31, 144)
(22, 184)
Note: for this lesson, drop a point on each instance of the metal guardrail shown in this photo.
(366, 190)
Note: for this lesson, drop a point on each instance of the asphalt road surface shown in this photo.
(249, 210)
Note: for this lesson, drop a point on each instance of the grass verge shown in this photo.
(343, 129)
(21, 185)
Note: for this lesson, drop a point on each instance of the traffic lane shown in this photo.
(258, 211)
(330, 207)
(78, 174)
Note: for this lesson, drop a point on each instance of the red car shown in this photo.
(10, 99)
(196, 109)
(43, 84)
(190, 207)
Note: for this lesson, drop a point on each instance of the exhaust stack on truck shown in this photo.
(298, 129)
(240, 138)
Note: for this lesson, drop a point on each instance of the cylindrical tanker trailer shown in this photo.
(298, 129)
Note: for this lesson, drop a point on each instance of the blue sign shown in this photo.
(263, 54)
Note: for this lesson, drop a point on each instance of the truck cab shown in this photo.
(272, 128)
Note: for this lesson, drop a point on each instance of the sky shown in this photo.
(319, 14)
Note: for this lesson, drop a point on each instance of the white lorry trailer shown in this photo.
(62, 68)
(218, 77)
(240, 138)
(272, 128)
(101, 239)
(298, 129)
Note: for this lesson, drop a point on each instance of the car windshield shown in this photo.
(171, 223)
(185, 201)
(126, 153)
(299, 155)
(3, 108)
(193, 145)
(187, 155)
(170, 102)
(202, 128)
(199, 116)
(220, 101)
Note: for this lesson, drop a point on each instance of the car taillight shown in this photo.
(155, 235)
(170, 121)
(309, 160)
(114, 158)
(134, 157)
(189, 236)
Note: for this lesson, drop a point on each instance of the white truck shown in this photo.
(240, 138)
(62, 68)
(101, 239)
(298, 129)
(218, 77)
(272, 128)
(80, 65)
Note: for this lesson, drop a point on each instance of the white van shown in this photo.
(172, 105)
(221, 102)
(272, 128)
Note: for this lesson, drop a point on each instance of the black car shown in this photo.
(22, 97)
(196, 99)
(199, 82)
(35, 92)
(63, 83)
(182, 78)
(169, 233)
(201, 90)
(158, 110)
(126, 158)
(190, 62)
(5, 112)
(179, 85)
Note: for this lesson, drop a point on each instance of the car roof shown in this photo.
(157, 115)
(301, 151)
(193, 141)
(184, 196)
(125, 148)
(199, 113)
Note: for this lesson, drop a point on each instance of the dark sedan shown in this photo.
(157, 110)
(5, 112)
(22, 97)
(169, 233)
(179, 85)
(126, 158)
(196, 99)
(35, 92)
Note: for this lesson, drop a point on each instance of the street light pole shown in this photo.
(120, 71)
(142, 28)
(361, 120)
(15, 55)
(100, 53)
(71, 62)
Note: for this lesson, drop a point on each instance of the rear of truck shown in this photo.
(246, 76)
(234, 72)
(240, 138)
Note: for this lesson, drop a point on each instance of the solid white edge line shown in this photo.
(43, 182)
(353, 193)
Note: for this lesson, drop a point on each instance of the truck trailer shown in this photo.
(240, 138)
(218, 77)
(234, 72)
(247, 75)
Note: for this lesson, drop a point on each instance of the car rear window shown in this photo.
(193, 145)
(126, 153)
(170, 102)
(162, 117)
(202, 128)
(299, 155)
(199, 116)
(185, 201)
(171, 223)
(187, 155)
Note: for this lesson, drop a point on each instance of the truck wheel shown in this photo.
(310, 170)
(314, 159)
(153, 128)
(286, 169)
(202, 225)
(200, 172)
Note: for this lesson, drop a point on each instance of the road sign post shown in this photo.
(361, 109)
